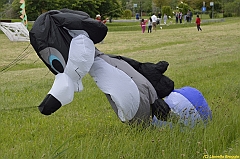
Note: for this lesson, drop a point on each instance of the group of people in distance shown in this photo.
(151, 23)
(188, 18)
(179, 17)
(154, 20)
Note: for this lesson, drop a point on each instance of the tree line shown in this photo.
(34, 8)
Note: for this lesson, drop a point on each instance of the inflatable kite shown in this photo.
(64, 40)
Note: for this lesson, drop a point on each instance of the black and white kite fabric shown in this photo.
(64, 40)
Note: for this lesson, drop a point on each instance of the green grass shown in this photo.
(89, 128)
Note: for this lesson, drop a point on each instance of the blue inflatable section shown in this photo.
(198, 101)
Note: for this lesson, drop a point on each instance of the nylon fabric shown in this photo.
(119, 86)
(62, 88)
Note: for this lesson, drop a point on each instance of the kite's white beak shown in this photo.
(63, 88)
(61, 93)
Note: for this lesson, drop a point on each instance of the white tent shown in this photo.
(15, 31)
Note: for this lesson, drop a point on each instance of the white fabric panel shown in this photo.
(119, 85)
(80, 60)
(63, 88)
(182, 107)
(15, 31)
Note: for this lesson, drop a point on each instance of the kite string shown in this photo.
(20, 57)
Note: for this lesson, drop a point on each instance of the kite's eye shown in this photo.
(54, 59)
(56, 64)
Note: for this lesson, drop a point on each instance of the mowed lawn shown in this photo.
(89, 128)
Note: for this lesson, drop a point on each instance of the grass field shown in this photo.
(88, 127)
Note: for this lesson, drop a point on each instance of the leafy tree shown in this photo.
(232, 8)
(147, 6)
(199, 4)
(236, 8)
(2, 3)
(173, 3)
(167, 10)
(89, 6)
(160, 3)
(110, 9)
(143, 5)
(7, 10)
(193, 3)
(184, 7)
(36, 7)
(123, 3)
(4, 7)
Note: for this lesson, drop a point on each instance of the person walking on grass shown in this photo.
(198, 21)
(143, 25)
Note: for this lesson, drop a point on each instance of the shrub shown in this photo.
(215, 15)
(167, 10)
(227, 15)
(127, 14)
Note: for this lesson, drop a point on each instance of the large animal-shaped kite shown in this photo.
(64, 40)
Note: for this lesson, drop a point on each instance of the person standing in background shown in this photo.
(165, 19)
(137, 16)
(150, 25)
(159, 17)
(177, 17)
(180, 17)
(190, 16)
(154, 21)
(98, 17)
